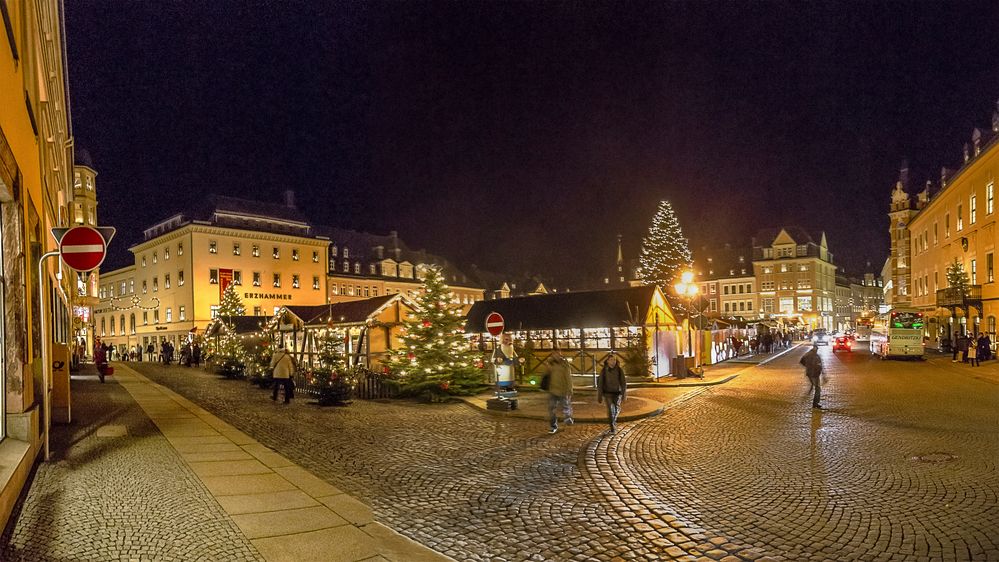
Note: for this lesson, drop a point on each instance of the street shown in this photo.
(900, 465)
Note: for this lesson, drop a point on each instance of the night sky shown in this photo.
(524, 136)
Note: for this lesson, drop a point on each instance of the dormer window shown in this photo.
(346, 266)
(357, 267)
(372, 268)
(346, 253)
(333, 250)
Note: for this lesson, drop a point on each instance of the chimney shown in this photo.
(380, 252)
(289, 198)
(903, 173)
(394, 235)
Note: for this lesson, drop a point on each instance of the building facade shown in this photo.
(796, 277)
(36, 195)
(726, 283)
(958, 224)
(185, 262)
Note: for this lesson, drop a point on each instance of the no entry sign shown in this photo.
(494, 323)
(83, 248)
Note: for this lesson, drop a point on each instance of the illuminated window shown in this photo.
(131, 286)
(974, 272)
(947, 225)
(237, 277)
(276, 254)
(143, 261)
(315, 256)
(294, 281)
(315, 281)
(235, 249)
(294, 254)
(989, 198)
(256, 278)
(145, 317)
(357, 267)
(181, 313)
(166, 254)
(154, 257)
(166, 281)
(277, 279)
(103, 327)
(372, 268)
(180, 249)
(169, 314)
(156, 284)
(257, 311)
(333, 250)
(367, 291)
(374, 291)
(143, 286)
(972, 209)
(960, 218)
(213, 276)
(180, 278)
(346, 253)
(131, 323)
(346, 265)
(256, 251)
(122, 291)
(156, 316)
(989, 268)
(213, 247)
(334, 289)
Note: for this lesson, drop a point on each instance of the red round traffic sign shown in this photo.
(494, 323)
(82, 248)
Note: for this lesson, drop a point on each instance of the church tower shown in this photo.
(900, 260)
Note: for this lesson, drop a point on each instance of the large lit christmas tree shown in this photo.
(665, 253)
(435, 357)
(230, 356)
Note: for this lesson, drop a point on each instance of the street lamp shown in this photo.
(687, 288)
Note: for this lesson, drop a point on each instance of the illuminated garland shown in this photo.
(135, 303)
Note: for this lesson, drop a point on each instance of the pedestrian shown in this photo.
(984, 347)
(612, 386)
(973, 351)
(813, 370)
(962, 346)
(151, 352)
(954, 347)
(558, 383)
(196, 354)
(101, 360)
(283, 365)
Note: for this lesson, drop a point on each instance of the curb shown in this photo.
(479, 404)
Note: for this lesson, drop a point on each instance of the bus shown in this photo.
(898, 333)
(863, 330)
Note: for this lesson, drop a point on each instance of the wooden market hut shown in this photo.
(586, 327)
(372, 328)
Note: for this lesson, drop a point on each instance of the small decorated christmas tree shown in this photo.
(435, 358)
(957, 278)
(333, 380)
(665, 253)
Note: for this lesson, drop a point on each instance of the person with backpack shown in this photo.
(557, 380)
(612, 386)
(283, 365)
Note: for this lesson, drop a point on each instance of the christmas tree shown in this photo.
(435, 359)
(957, 278)
(665, 253)
(333, 381)
(230, 356)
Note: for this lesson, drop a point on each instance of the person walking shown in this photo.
(813, 370)
(101, 360)
(196, 354)
(612, 386)
(973, 351)
(962, 346)
(559, 387)
(283, 365)
(984, 347)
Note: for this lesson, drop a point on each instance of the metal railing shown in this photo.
(953, 296)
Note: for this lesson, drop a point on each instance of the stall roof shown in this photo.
(585, 309)
(240, 324)
(352, 312)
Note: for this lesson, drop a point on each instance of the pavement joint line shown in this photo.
(133, 381)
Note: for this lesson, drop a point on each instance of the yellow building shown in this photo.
(84, 212)
(36, 172)
(959, 222)
(795, 277)
(185, 262)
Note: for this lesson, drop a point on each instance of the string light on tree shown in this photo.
(665, 252)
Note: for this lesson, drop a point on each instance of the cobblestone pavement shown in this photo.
(900, 465)
(116, 490)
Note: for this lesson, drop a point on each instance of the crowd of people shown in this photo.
(973, 348)
(190, 353)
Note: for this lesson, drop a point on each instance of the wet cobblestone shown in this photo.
(742, 471)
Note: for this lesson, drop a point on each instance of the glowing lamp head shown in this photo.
(687, 276)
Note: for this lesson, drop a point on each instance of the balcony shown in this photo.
(952, 297)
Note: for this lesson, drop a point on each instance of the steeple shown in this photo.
(620, 261)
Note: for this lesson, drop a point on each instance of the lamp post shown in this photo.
(687, 288)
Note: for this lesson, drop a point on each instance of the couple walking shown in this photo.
(611, 386)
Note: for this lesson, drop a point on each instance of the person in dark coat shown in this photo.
(101, 360)
(984, 347)
(196, 354)
(813, 370)
(962, 346)
(612, 386)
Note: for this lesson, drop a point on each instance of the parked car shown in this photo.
(842, 343)
(820, 337)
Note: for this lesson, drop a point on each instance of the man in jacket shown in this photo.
(559, 390)
(813, 370)
(612, 386)
(283, 365)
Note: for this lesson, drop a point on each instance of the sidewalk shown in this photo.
(534, 404)
(257, 505)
